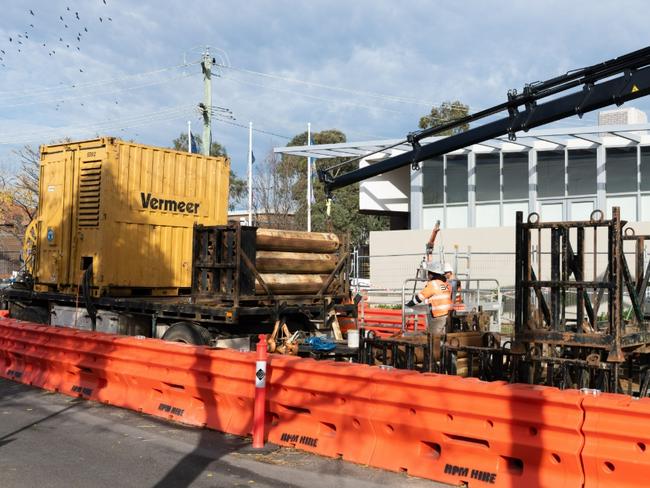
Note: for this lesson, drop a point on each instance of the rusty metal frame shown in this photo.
(585, 336)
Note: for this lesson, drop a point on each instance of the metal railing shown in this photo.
(476, 298)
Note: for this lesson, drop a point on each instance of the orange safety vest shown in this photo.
(437, 294)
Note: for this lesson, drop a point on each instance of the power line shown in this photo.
(316, 97)
(74, 86)
(254, 129)
(169, 113)
(382, 96)
(103, 93)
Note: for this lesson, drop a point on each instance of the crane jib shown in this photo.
(629, 85)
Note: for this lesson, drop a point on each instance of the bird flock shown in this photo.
(70, 32)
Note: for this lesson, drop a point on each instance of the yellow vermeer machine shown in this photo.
(135, 239)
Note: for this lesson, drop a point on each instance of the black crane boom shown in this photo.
(615, 81)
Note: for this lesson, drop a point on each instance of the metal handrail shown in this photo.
(464, 292)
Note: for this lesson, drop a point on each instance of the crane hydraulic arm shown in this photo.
(615, 81)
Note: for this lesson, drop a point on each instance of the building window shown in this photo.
(433, 181)
(457, 179)
(582, 172)
(515, 175)
(487, 177)
(550, 174)
(645, 169)
(620, 165)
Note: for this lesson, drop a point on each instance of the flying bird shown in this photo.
(104, 2)
(31, 12)
(85, 29)
(31, 25)
(11, 40)
(110, 19)
(2, 51)
(66, 26)
(100, 19)
(77, 15)
(81, 71)
(78, 48)
(61, 17)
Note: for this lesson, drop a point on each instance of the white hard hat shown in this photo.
(433, 267)
(448, 268)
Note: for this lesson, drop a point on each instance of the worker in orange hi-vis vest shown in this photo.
(455, 288)
(436, 295)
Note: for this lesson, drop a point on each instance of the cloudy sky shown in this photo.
(369, 68)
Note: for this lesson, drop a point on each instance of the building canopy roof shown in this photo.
(542, 139)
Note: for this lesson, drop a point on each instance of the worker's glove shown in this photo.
(410, 303)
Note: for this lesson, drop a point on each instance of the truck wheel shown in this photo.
(30, 313)
(188, 333)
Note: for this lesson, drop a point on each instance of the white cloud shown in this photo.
(424, 50)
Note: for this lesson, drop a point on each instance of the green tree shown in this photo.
(237, 188)
(446, 112)
(345, 217)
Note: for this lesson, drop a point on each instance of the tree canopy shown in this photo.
(345, 217)
(446, 112)
(19, 192)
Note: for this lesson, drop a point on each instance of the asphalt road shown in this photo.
(51, 440)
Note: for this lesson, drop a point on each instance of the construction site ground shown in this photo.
(52, 440)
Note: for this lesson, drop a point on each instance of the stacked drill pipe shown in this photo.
(293, 262)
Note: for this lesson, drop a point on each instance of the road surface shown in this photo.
(51, 440)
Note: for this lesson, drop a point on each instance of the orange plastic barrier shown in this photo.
(189, 384)
(440, 427)
(617, 441)
(385, 321)
(4, 313)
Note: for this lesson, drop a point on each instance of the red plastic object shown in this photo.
(617, 441)
(450, 429)
(4, 314)
(259, 412)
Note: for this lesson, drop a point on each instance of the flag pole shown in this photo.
(309, 179)
(189, 136)
(250, 173)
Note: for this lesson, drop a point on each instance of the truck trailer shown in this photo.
(133, 239)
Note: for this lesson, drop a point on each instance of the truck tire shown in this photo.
(188, 333)
(30, 313)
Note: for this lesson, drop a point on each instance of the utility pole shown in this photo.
(309, 190)
(189, 136)
(206, 66)
(250, 173)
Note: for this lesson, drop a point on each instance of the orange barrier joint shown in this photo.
(259, 412)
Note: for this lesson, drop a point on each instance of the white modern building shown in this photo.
(560, 173)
